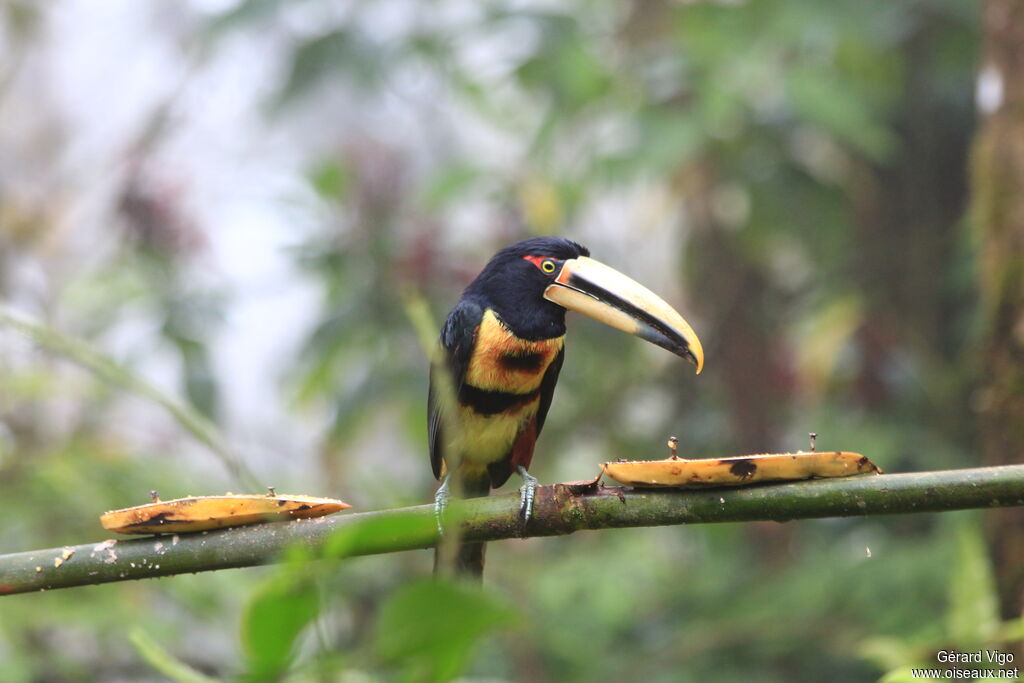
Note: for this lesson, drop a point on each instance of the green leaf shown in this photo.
(668, 139)
(200, 383)
(829, 104)
(245, 13)
(973, 617)
(161, 660)
(273, 621)
(338, 52)
(448, 184)
(565, 66)
(888, 653)
(382, 531)
(331, 180)
(432, 625)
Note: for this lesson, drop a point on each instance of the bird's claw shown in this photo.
(441, 499)
(527, 492)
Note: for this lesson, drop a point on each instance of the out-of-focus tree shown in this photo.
(998, 216)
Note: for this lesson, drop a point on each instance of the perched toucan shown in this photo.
(501, 349)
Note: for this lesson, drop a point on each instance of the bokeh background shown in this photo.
(236, 200)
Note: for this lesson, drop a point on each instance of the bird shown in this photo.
(501, 348)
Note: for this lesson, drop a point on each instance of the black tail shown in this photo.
(467, 560)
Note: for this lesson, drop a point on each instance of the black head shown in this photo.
(513, 284)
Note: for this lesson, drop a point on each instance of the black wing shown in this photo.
(547, 388)
(457, 339)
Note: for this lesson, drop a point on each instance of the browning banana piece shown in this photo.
(201, 513)
(738, 471)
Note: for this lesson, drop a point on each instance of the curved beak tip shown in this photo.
(696, 356)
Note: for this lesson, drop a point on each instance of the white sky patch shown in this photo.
(989, 89)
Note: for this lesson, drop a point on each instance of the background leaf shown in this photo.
(430, 627)
(274, 619)
(162, 661)
(973, 618)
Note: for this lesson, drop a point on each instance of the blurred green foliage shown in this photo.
(796, 168)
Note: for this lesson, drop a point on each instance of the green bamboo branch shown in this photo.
(108, 370)
(560, 509)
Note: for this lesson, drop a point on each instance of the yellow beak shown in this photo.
(603, 293)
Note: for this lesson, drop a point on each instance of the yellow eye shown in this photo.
(548, 266)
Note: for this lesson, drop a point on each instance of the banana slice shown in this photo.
(201, 513)
(738, 471)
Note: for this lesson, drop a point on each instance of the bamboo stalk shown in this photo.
(559, 509)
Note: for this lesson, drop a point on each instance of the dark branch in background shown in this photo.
(560, 509)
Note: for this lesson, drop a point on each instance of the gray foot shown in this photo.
(441, 499)
(527, 492)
